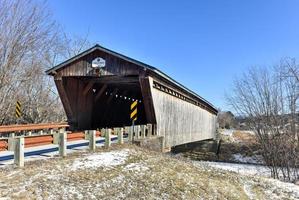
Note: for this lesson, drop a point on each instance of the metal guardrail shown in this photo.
(46, 136)
(17, 144)
(31, 127)
(33, 140)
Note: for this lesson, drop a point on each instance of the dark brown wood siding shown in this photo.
(114, 66)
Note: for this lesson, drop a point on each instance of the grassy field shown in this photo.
(128, 172)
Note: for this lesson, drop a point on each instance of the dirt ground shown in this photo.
(128, 172)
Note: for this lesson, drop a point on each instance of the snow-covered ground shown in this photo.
(129, 172)
(258, 159)
(245, 169)
(106, 159)
(229, 132)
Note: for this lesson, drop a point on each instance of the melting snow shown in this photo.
(247, 159)
(136, 167)
(228, 132)
(105, 159)
(246, 169)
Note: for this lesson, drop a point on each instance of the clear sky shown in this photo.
(201, 44)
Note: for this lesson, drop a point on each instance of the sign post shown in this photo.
(133, 115)
(18, 109)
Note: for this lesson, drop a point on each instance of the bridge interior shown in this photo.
(103, 102)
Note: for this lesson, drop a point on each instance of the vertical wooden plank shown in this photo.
(147, 99)
(64, 98)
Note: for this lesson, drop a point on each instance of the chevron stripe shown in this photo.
(18, 109)
(133, 114)
(133, 105)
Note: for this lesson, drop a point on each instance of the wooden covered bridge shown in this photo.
(98, 86)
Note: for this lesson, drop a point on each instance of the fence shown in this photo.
(19, 137)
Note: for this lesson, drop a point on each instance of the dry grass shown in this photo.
(158, 176)
(244, 137)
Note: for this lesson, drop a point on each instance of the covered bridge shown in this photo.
(98, 86)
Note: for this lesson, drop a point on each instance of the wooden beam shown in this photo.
(87, 87)
(115, 79)
(99, 94)
(147, 99)
(64, 98)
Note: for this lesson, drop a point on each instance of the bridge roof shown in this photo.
(131, 60)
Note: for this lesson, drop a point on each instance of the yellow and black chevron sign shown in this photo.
(18, 109)
(133, 115)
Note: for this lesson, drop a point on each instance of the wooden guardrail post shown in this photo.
(92, 140)
(19, 151)
(108, 138)
(127, 130)
(149, 130)
(11, 144)
(103, 131)
(131, 134)
(56, 137)
(120, 135)
(137, 131)
(143, 129)
(29, 133)
(62, 142)
(86, 135)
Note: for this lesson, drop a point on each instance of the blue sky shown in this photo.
(202, 44)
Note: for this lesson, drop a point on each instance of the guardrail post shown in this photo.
(143, 129)
(127, 130)
(11, 144)
(131, 134)
(12, 135)
(86, 135)
(120, 135)
(29, 133)
(62, 142)
(108, 138)
(56, 137)
(149, 130)
(92, 140)
(137, 132)
(103, 131)
(19, 151)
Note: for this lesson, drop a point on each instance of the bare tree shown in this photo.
(73, 45)
(28, 36)
(30, 43)
(268, 97)
(226, 119)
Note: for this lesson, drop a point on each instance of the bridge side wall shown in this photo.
(180, 121)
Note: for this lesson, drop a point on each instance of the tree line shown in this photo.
(31, 42)
(267, 97)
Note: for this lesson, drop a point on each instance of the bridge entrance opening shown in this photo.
(112, 101)
(101, 102)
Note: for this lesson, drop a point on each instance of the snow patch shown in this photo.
(247, 159)
(105, 159)
(228, 132)
(248, 192)
(246, 169)
(136, 167)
